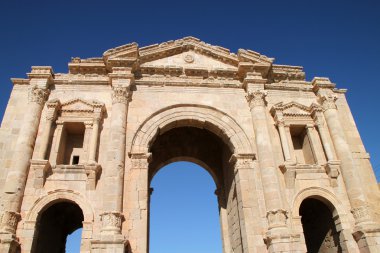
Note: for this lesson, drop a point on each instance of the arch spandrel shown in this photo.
(193, 115)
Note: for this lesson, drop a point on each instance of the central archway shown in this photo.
(209, 138)
(184, 215)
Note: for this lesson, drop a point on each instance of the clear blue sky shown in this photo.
(337, 39)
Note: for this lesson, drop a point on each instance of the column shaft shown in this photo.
(94, 141)
(284, 141)
(23, 151)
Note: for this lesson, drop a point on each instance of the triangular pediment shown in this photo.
(292, 109)
(189, 59)
(80, 105)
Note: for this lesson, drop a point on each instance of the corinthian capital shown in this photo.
(328, 101)
(277, 218)
(111, 221)
(256, 98)
(120, 94)
(38, 95)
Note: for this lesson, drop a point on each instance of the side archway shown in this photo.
(190, 115)
(62, 202)
(321, 219)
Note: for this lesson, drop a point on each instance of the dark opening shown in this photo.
(75, 159)
(55, 224)
(319, 227)
(301, 145)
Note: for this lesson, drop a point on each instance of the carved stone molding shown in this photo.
(277, 218)
(140, 160)
(328, 101)
(121, 94)
(242, 161)
(361, 214)
(9, 221)
(52, 108)
(256, 98)
(38, 95)
(111, 221)
(332, 170)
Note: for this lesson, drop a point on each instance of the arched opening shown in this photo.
(321, 235)
(55, 224)
(184, 210)
(206, 149)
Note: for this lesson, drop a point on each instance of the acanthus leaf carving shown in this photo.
(38, 95)
(256, 98)
(121, 94)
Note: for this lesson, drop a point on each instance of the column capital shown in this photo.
(328, 101)
(256, 98)
(121, 94)
(111, 222)
(277, 218)
(361, 213)
(38, 95)
(52, 108)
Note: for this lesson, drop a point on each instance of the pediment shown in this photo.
(189, 59)
(80, 105)
(292, 109)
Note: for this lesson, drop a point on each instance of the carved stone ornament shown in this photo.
(120, 95)
(140, 160)
(38, 95)
(188, 58)
(9, 221)
(328, 101)
(111, 221)
(256, 98)
(242, 161)
(277, 218)
(361, 214)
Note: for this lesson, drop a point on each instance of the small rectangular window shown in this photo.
(75, 160)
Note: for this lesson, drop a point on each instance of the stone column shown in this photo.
(93, 147)
(277, 216)
(138, 197)
(243, 173)
(40, 79)
(121, 79)
(365, 227)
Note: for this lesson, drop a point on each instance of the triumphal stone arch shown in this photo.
(79, 150)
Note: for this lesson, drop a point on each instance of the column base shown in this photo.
(116, 245)
(281, 240)
(9, 243)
